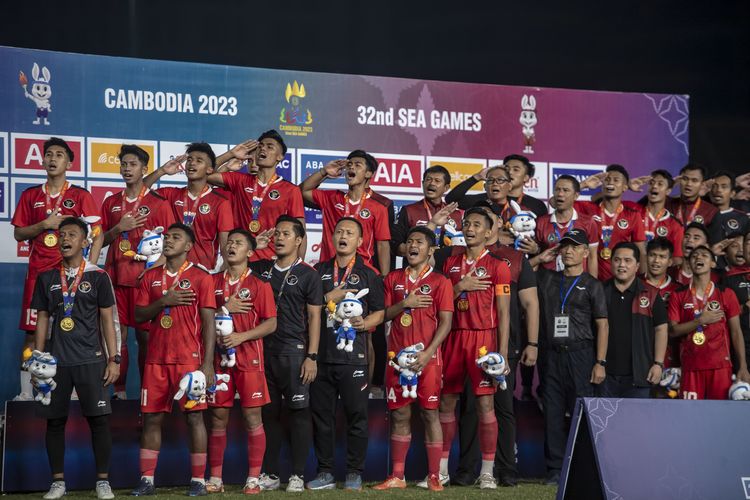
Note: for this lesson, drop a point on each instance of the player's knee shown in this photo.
(401, 417)
(152, 421)
(194, 419)
(429, 416)
(253, 418)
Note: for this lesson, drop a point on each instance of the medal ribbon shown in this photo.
(283, 281)
(650, 229)
(347, 207)
(58, 202)
(698, 305)
(227, 294)
(608, 223)
(124, 234)
(164, 288)
(262, 196)
(564, 299)
(416, 283)
(696, 206)
(464, 272)
(69, 294)
(348, 271)
(189, 217)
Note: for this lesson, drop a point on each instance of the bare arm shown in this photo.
(112, 372)
(332, 169)
(169, 168)
(445, 319)
(52, 222)
(384, 257)
(40, 333)
(644, 263)
(208, 323)
(267, 327)
(598, 373)
(529, 299)
(373, 319)
(303, 247)
(593, 262)
(309, 369)
(96, 246)
(502, 303)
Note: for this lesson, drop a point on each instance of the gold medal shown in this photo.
(406, 320)
(254, 226)
(67, 324)
(124, 245)
(166, 322)
(463, 305)
(606, 253)
(699, 338)
(50, 240)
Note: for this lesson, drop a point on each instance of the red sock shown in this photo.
(434, 452)
(488, 435)
(448, 424)
(399, 448)
(148, 460)
(120, 382)
(198, 465)
(217, 443)
(256, 448)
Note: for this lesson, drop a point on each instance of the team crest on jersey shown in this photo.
(733, 224)
(699, 219)
(205, 208)
(644, 302)
(622, 223)
(292, 280)
(661, 231)
(274, 195)
(354, 279)
(425, 289)
(243, 294)
(365, 213)
(480, 272)
(714, 305)
(84, 287)
(68, 203)
(144, 210)
(184, 284)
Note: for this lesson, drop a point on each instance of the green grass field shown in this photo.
(525, 491)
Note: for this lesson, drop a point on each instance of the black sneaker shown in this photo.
(508, 480)
(463, 479)
(197, 489)
(553, 478)
(144, 488)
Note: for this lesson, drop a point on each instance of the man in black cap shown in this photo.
(571, 303)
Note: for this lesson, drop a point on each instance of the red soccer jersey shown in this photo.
(420, 212)
(549, 232)
(714, 352)
(32, 208)
(249, 353)
(213, 214)
(665, 226)
(699, 211)
(424, 320)
(481, 313)
(280, 198)
(182, 344)
(372, 215)
(124, 270)
(665, 290)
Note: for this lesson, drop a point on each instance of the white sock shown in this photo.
(150, 478)
(26, 383)
(214, 480)
(444, 466)
(199, 479)
(487, 466)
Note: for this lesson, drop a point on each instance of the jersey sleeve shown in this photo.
(264, 303)
(731, 303)
(89, 208)
(225, 219)
(233, 180)
(586, 207)
(296, 206)
(677, 237)
(40, 300)
(170, 193)
(206, 295)
(675, 307)
(314, 289)
(164, 215)
(659, 311)
(401, 227)
(502, 279)
(639, 230)
(599, 308)
(142, 295)
(382, 229)
(592, 231)
(107, 214)
(105, 294)
(322, 197)
(22, 214)
(444, 295)
(375, 297)
(526, 278)
(388, 290)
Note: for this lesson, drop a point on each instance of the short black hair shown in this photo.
(530, 168)
(132, 149)
(272, 134)
(695, 166)
(350, 219)
(628, 245)
(56, 141)
(249, 237)
(618, 168)
(75, 221)
(573, 180)
(430, 235)
(666, 175)
(185, 229)
(480, 211)
(698, 226)
(299, 228)
(372, 163)
(438, 169)
(660, 243)
(703, 247)
(485, 204)
(202, 147)
(725, 173)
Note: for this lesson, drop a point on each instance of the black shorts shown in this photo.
(89, 385)
(283, 378)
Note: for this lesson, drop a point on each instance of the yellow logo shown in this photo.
(104, 158)
(294, 119)
(460, 170)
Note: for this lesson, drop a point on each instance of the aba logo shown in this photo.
(274, 195)
(204, 209)
(40, 94)
(528, 120)
(661, 231)
(185, 284)
(294, 119)
(144, 210)
(244, 294)
(425, 289)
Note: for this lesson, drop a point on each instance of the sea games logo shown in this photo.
(294, 119)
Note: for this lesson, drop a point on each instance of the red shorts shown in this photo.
(706, 384)
(28, 315)
(460, 353)
(125, 297)
(428, 388)
(159, 386)
(251, 386)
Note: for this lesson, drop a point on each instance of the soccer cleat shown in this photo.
(24, 396)
(323, 481)
(434, 483)
(445, 479)
(197, 489)
(104, 490)
(391, 483)
(487, 482)
(56, 490)
(252, 486)
(296, 484)
(144, 488)
(214, 487)
(269, 482)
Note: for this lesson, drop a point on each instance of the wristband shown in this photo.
(533, 344)
(659, 363)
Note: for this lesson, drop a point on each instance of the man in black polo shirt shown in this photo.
(343, 373)
(638, 329)
(571, 303)
(737, 277)
(75, 303)
(291, 352)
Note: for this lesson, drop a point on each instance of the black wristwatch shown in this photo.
(533, 344)
(659, 364)
(602, 362)
(312, 355)
(116, 359)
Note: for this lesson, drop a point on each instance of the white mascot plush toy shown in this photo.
(193, 384)
(220, 385)
(349, 308)
(670, 380)
(150, 247)
(43, 366)
(493, 364)
(225, 327)
(739, 391)
(522, 224)
(401, 362)
(453, 237)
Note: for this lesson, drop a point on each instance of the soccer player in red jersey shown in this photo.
(251, 305)
(690, 207)
(258, 200)
(359, 167)
(419, 301)
(178, 298)
(705, 317)
(481, 290)
(206, 211)
(125, 215)
(694, 236)
(36, 219)
(657, 220)
(550, 228)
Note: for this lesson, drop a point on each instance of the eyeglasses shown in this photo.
(496, 180)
